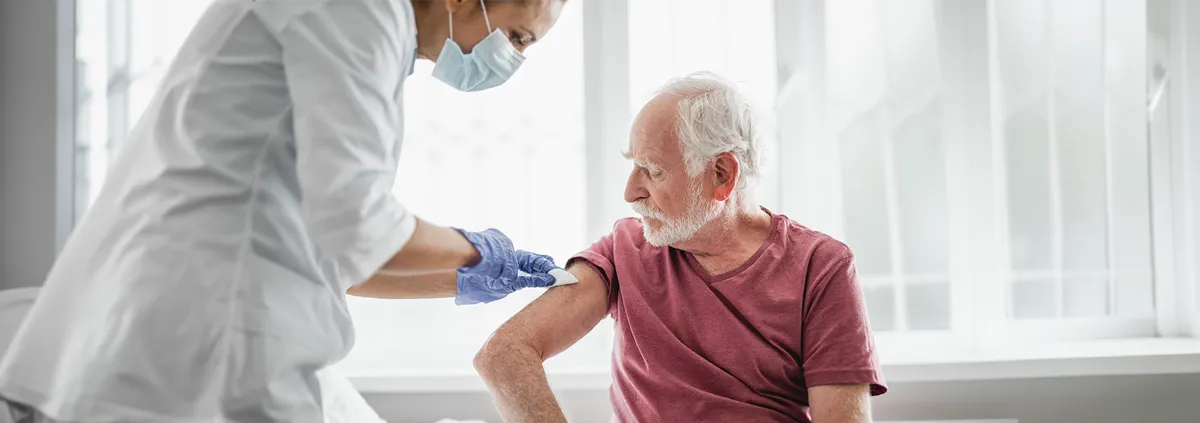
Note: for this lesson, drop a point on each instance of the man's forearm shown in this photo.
(517, 380)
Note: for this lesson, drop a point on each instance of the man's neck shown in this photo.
(730, 240)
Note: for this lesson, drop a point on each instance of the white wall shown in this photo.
(30, 222)
(1108, 399)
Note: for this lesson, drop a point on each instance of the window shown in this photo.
(885, 111)
(1072, 120)
(988, 162)
(517, 148)
(1042, 229)
(1172, 99)
(122, 47)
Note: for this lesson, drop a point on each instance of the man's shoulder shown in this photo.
(811, 243)
(625, 238)
(629, 230)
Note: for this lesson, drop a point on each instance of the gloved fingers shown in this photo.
(539, 264)
(535, 263)
(503, 270)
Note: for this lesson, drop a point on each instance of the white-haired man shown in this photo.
(724, 311)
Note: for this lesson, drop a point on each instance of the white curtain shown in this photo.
(1070, 102)
(884, 111)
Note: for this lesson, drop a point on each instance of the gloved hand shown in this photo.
(501, 271)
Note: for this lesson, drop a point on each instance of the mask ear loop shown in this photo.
(487, 21)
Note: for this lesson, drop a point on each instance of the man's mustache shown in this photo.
(646, 210)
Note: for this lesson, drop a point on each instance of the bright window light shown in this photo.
(1038, 227)
(510, 158)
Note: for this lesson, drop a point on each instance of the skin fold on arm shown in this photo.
(511, 360)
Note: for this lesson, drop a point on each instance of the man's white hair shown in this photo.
(714, 118)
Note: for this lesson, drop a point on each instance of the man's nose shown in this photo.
(634, 190)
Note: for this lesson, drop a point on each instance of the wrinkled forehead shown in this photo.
(653, 135)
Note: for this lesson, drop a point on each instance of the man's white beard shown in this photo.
(674, 231)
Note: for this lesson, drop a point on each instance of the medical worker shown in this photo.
(207, 283)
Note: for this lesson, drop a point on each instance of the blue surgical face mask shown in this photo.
(491, 62)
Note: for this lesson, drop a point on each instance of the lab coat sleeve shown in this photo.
(345, 63)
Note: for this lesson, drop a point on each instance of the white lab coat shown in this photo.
(207, 282)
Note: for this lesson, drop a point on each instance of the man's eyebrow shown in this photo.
(642, 163)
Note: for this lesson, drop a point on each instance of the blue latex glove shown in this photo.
(502, 270)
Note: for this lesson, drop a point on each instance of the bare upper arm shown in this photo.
(560, 317)
(840, 403)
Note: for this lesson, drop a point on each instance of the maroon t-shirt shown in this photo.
(743, 346)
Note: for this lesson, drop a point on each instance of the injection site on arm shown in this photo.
(563, 277)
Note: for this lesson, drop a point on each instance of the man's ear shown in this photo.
(727, 169)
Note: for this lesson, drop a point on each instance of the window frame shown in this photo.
(1123, 292)
(1188, 28)
(1176, 175)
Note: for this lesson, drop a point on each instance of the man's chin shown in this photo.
(659, 237)
(652, 224)
(652, 240)
(651, 234)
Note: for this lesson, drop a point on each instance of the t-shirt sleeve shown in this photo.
(602, 257)
(838, 346)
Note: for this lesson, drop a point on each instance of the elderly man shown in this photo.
(724, 311)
